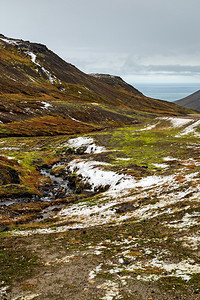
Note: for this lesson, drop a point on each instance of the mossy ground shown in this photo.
(87, 263)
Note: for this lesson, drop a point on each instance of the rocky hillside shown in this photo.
(192, 101)
(41, 94)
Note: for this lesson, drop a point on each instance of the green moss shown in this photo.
(17, 190)
(173, 283)
(16, 263)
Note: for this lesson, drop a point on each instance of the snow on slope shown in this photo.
(191, 130)
(33, 59)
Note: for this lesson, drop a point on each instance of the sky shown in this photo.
(139, 40)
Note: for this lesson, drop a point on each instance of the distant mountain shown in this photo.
(41, 94)
(192, 101)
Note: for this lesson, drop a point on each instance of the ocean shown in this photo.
(167, 91)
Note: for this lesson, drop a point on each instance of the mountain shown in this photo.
(192, 101)
(41, 94)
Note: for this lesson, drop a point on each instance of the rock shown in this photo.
(125, 207)
(3, 228)
(60, 193)
(81, 150)
(145, 166)
(45, 166)
(55, 209)
(8, 175)
(101, 188)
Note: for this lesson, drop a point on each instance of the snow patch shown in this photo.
(11, 42)
(93, 273)
(65, 259)
(169, 158)
(177, 122)
(163, 166)
(85, 142)
(188, 220)
(3, 290)
(33, 59)
(149, 127)
(95, 176)
(46, 105)
(10, 157)
(111, 290)
(190, 130)
(151, 277)
(124, 159)
(73, 119)
(183, 269)
(48, 75)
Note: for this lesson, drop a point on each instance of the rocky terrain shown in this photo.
(99, 185)
(192, 101)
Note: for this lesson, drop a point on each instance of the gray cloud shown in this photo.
(113, 36)
(175, 69)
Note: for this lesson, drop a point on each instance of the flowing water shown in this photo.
(58, 185)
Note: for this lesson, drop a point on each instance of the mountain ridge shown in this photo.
(39, 86)
(116, 81)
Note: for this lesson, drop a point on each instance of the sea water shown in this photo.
(167, 91)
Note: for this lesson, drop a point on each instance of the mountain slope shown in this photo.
(192, 101)
(37, 86)
(29, 67)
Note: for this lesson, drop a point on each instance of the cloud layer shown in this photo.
(124, 37)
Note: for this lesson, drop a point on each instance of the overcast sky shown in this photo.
(140, 40)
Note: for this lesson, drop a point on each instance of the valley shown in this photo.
(99, 185)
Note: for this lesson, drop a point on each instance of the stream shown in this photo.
(59, 187)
